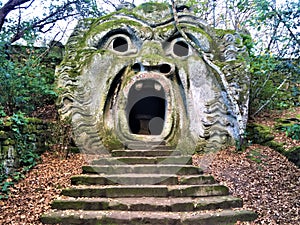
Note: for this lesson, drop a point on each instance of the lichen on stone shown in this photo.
(141, 49)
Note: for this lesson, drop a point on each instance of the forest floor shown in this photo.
(266, 181)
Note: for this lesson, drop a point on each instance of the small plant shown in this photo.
(293, 131)
(62, 136)
(24, 150)
(255, 156)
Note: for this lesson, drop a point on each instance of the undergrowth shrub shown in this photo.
(293, 131)
(275, 83)
(24, 150)
(25, 83)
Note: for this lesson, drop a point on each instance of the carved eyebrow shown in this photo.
(110, 33)
(100, 39)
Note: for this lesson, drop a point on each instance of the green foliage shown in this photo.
(255, 156)
(275, 82)
(28, 25)
(275, 59)
(25, 85)
(293, 131)
(24, 149)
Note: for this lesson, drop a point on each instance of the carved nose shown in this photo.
(165, 68)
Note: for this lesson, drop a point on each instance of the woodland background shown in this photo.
(32, 34)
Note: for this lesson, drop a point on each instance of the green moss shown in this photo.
(217, 190)
(255, 155)
(150, 7)
(259, 134)
(110, 140)
(200, 146)
(276, 146)
(220, 32)
(199, 30)
(114, 24)
(173, 138)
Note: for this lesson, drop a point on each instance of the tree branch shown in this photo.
(8, 7)
(45, 21)
(273, 95)
(285, 24)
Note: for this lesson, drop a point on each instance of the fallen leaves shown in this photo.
(32, 196)
(268, 186)
(268, 183)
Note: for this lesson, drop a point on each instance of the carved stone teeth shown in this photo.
(138, 86)
(157, 86)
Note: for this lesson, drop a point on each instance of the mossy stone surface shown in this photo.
(259, 134)
(96, 79)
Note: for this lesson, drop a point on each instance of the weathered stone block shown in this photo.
(139, 75)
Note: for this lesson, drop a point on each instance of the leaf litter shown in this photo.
(266, 181)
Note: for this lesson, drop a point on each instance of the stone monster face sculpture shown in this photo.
(132, 76)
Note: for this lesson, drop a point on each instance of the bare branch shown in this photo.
(8, 7)
(273, 95)
(45, 21)
(26, 7)
(110, 3)
(286, 25)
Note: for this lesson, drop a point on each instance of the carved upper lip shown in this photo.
(165, 69)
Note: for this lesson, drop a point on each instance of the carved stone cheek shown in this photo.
(197, 72)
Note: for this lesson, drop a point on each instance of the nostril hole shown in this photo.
(136, 67)
(165, 68)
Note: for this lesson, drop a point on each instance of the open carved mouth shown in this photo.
(141, 106)
(146, 107)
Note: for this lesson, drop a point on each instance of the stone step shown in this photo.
(114, 191)
(149, 146)
(218, 217)
(167, 179)
(148, 203)
(144, 160)
(145, 152)
(143, 169)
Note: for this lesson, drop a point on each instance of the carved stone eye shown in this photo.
(120, 44)
(181, 48)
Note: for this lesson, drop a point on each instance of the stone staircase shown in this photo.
(145, 185)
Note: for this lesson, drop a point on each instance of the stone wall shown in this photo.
(34, 133)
